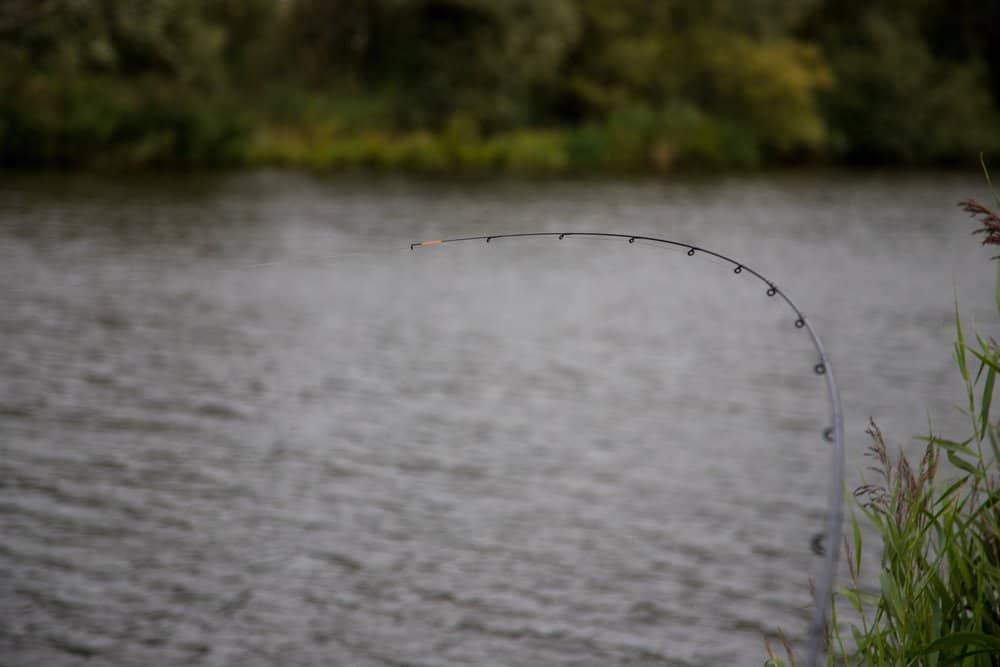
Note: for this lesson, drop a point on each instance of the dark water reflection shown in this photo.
(241, 424)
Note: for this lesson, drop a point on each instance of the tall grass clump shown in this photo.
(937, 597)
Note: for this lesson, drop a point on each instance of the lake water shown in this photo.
(241, 423)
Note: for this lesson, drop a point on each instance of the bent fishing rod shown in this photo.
(834, 433)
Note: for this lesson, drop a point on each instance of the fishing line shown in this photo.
(318, 259)
(217, 263)
(826, 543)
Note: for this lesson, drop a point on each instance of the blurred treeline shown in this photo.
(498, 85)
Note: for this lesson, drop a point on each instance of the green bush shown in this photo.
(70, 120)
(895, 101)
(532, 151)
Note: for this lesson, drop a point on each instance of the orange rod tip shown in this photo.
(431, 242)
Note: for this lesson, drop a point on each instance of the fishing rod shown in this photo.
(834, 433)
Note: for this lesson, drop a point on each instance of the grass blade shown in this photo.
(960, 641)
(986, 399)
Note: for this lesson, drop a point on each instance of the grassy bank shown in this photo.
(105, 122)
(630, 141)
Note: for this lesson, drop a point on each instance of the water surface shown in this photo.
(242, 424)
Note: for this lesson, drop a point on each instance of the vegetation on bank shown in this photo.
(498, 85)
(937, 601)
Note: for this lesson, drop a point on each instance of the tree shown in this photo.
(898, 102)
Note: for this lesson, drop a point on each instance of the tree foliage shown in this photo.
(904, 92)
(626, 82)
